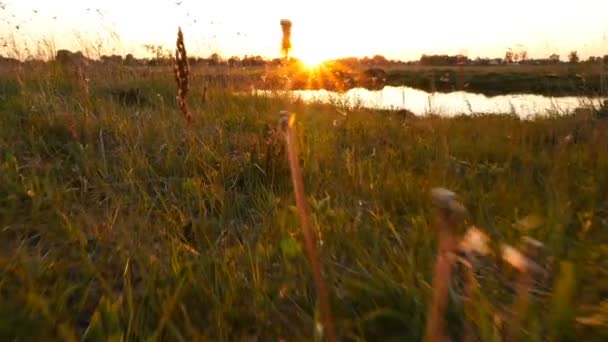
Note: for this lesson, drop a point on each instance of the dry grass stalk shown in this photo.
(286, 125)
(450, 210)
(523, 287)
(182, 72)
(475, 241)
(286, 42)
(19, 76)
(83, 82)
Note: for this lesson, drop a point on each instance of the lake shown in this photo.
(420, 102)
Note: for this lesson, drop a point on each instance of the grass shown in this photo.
(113, 225)
(582, 79)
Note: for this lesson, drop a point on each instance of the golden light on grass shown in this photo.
(286, 125)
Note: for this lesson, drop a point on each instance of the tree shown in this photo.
(509, 56)
(233, 61)
(379, 60)
(554, 58)
(161, 55)
(129, 59)
(214, 59)
(523, 55)
(63, 56)
(573, 57)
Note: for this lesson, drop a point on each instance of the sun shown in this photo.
(311, 59)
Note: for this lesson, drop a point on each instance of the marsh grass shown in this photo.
(287, 125)
(100, 214)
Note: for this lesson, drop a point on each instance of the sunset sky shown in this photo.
(322, 29)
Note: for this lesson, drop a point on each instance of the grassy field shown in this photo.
(120, 222)
(582, 79)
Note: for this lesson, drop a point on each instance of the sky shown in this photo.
(322, 29)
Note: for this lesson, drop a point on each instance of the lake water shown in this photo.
(420, 102)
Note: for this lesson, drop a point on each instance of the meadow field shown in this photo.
(121, 221)
(563, 79)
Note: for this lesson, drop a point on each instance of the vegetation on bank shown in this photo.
(432, 73)
(119, 220)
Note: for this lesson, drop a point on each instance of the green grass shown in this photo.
(116, 222)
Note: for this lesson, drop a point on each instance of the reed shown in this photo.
(449, 214)
(181, 71)
(286, 124)
(286, 41)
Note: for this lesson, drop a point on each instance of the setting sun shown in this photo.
(312, 59)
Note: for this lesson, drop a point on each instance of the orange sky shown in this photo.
(322, 29)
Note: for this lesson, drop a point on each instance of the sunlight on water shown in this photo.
(421, 103)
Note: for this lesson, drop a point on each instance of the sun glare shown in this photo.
(311, 60)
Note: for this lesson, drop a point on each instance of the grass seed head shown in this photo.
(286, 42)
(182, 73)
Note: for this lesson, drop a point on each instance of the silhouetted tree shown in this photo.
(443, 60)
(63, 56)
(523, 55)
(509, 56)
(554, 58)
(113, 59)
(161, 55)
(214, 59)
(66, 56)
(233, 61)
(573, 57)
(379, 60)
(130, 60)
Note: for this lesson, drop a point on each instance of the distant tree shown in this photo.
(276, 61)
(481, 61)
(438, 60)
(379, 60)
(523, 55)
(554, 58)
(462, 59)
(233, 61)
(573, 57)
(129, 59)
(258, 61)
(63, 56)
(214, 59)
(66, 56)
(161, 55)
(605, 59)
(509, 56)
(113, 59)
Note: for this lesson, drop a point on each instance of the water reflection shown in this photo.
(421, 103)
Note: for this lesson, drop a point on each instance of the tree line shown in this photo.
(162, 56)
